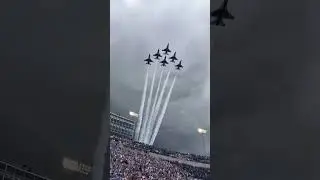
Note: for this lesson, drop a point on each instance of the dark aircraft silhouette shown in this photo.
(166, 50)
(173, 58)
(164, 61)
(178, 66)
(220, 14)
(157, 55)
(148, 60)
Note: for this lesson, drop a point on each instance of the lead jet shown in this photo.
(164, 61)
(178, 66)
(148, 60)
(221, 13)
(157, 55)
(173, 58)
(166, 50)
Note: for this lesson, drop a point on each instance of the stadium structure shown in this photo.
(122, 126)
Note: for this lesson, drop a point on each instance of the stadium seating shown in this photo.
(134, 160)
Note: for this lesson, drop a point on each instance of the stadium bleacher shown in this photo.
(134, 160)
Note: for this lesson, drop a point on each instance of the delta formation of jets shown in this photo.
(220, 14)
(166, 51)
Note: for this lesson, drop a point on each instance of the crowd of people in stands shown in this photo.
(131, 160)
(154, 149)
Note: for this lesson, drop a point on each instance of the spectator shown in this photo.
(131, 160)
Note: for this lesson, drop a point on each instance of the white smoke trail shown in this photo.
(157, 94)
(147, 114)
(164, 108)
(154, 116)
(150, 123)
(137, 133)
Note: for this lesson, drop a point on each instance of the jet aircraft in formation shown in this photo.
(220, 14)
(157, 55)
(148, 60)
(164, 61)
(166, 50)
(173, 58)
(178, 66)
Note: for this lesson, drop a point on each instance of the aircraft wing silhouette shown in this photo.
(148, 60)
(222, 13)
(216, 12)
(227, 15)
(164, 62)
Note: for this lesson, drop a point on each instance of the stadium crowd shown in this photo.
(131, 160)
(166, 152)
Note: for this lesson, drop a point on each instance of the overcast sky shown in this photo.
(140, 27)
(265, 118)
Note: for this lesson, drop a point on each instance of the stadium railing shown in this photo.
(11, 172)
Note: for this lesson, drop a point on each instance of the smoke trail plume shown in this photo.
(147, 113)
(157, 94)
(154, 116)
(150, 123)
(164, 108)
(137, 134)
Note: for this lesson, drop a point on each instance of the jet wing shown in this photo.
(216, 12)
(227, 15)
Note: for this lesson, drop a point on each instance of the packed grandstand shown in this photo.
(134, 160)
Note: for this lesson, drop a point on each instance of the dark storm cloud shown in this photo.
(139, 27)
(264, 118)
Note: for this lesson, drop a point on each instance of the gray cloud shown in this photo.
(142, 28)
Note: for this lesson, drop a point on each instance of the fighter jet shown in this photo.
(157, 55)
(178, 66)
(164, 61)
(166, 50)
(220, 14)
(148, 60)
(173, 58)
